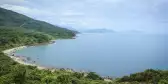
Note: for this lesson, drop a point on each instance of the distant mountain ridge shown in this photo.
(99, 31)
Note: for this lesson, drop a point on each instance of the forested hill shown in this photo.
(12, 19)
(17, 30)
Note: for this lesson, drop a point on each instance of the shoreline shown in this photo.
(24, 61)
(20, 59)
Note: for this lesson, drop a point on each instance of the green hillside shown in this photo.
(12, 19)
(16, 36)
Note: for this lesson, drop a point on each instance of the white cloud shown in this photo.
(146, 15)
(32, 12)
(18, 2)
(72, 13)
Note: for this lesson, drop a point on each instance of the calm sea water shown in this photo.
(107, 54)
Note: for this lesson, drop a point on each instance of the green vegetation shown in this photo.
(17, 30)
(149, 76)
(14, 73)
(12, 37)
(12, 19)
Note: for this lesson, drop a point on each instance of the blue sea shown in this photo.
(108, 54)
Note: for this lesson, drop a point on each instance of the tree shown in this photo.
(78, 75)
(64, 79)
(48, 79)
(19, 74)
(93, 76)
(163, 81)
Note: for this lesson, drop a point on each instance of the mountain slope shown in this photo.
(13, 19)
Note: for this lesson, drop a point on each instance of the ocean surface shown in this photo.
(108, 54)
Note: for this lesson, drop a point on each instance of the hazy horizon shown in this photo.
(150, 16)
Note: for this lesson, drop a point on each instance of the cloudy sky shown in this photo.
(119, 15)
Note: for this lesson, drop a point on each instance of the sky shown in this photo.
(149, 16)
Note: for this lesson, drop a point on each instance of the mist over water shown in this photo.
(112, 54)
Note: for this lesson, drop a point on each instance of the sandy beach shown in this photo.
(20, 59)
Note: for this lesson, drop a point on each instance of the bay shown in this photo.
(108, 54)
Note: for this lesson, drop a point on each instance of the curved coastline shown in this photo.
(20, 59)
(24, 61)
